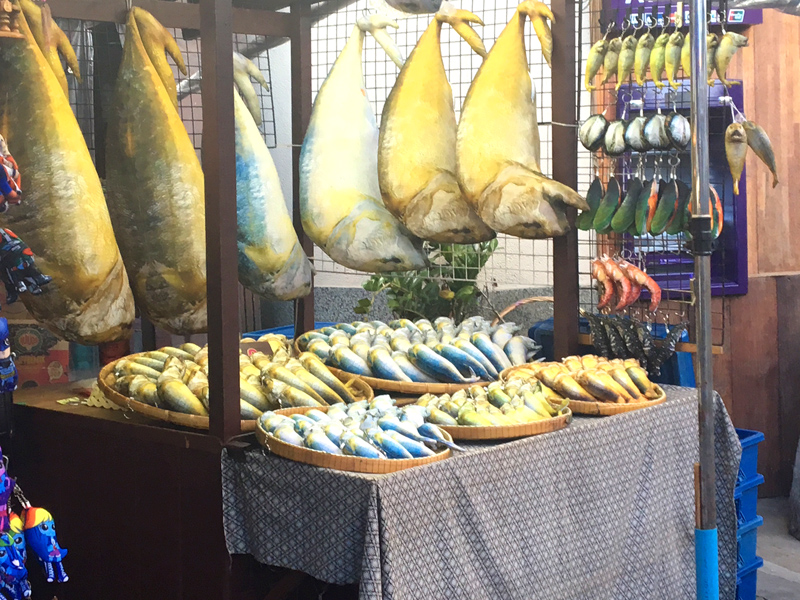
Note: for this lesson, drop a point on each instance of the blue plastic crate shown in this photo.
(746, 580)
(746, 497)
(747, 537)
(287, 330)
(748, 467)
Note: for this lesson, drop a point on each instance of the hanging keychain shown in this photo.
(40, 536)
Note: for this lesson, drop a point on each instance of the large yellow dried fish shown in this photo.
(63, 218)
(417, 145)
(155, 183)
(340, 197)
(496, 149)
(58, 45)
(272, 262)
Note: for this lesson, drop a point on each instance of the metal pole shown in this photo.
(706, 548)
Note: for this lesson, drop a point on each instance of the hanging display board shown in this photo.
(658, 13)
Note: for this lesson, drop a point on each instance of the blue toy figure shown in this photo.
(8, 370)
(13, 574)
(6, 489)
(18, 268)
(40, 536)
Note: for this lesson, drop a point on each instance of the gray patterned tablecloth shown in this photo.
(603, 510)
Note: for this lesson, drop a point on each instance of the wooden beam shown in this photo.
(219, 167)
(565, 169)
(301, 115)
(173, 14)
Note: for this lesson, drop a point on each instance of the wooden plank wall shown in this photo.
(772, 99)
(759, 374)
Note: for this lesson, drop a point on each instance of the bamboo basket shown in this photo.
(600, 409)
(361, 390)
(508, 432)
(606, 409)
(354, 464)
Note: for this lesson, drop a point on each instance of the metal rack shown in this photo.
(665, 257)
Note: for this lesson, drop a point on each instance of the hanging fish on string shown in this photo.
(340, 196)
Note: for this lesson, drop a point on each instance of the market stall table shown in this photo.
(602, 509)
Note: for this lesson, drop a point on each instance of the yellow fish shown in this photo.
(611, 60)
(496, 143)
(657, 58)
(155, 182)
(728, 46)
(417, 144)
(272, 262)
(626, 60)
(594, 61)
(58, 45)
(642, 58)
(63, 217)
(672, 57)
(340, 197)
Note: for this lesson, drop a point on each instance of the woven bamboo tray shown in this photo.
(355, 464)
(360, 388)
(509, 431)
(600, 409)
(606, 409)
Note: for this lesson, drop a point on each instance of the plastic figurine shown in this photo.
(18, 268)
(8, 370)
(40, 536)
(6, 489)
(14, 583)
(10, 179)
(13, 574)
(17, 530)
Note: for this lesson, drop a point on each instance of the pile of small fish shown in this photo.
(641, 133)
(655, 207)
(177, 379)
(421, 351)
(502, 403)
(631, 55)
(738, 136)
(621, 337)
(594, 379)
(377, 429)
(624, 279)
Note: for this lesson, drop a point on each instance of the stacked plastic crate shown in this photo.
(746, 498)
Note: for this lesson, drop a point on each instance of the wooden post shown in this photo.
(565, 170)
(301, 115)
(219, 166)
